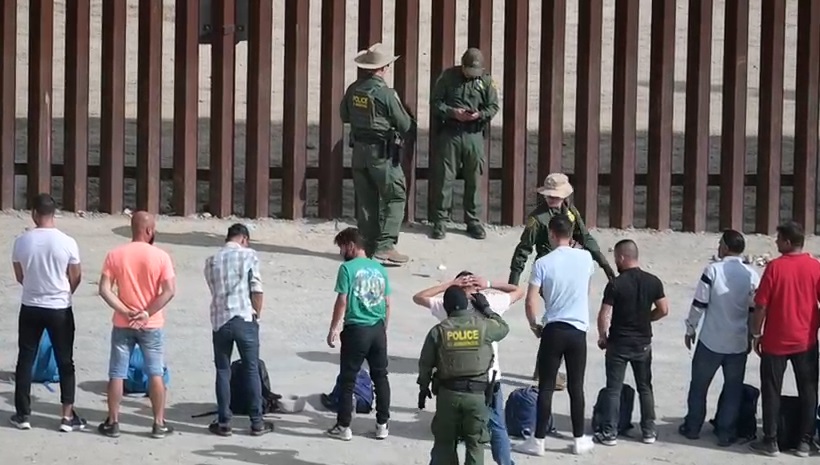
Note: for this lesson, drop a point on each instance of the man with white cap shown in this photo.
(379, 123)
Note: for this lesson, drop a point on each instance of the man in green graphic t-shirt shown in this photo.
(363, 304)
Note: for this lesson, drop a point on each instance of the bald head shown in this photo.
(143, 225)
(627, 248)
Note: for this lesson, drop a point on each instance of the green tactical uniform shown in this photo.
(536, 234)
(459, 349)
(374, 111)
(459, 146)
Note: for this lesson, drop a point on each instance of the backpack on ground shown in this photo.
(363, 394)
(521, 412)
(137, 380)
(45, 369)
(240, 391)
(627, 405)
(746, 428)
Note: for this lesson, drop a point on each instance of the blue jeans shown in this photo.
(123, 340)
(705, 364)
(499, 439)
(245, 334)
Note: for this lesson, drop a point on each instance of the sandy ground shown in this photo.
(424, 73)
(299, 264)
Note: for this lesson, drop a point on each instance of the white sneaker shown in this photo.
(532, 446)
(381, 431)
(582, 445)
(340, 432)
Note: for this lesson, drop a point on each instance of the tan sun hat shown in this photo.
(375, 57)
(556, 185)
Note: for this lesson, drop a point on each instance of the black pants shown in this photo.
(60, 326)
(360, 343)
(561, 341)
(772, 368)
(618, 356)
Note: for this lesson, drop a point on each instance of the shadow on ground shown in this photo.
(256, 456)
(399, 365)
(667, 429)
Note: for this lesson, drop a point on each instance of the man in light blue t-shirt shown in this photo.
(562, 278)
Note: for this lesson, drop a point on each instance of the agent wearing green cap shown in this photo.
(458, 352)
(377, 117)
(463, 101)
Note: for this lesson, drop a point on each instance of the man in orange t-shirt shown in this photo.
(144, 277)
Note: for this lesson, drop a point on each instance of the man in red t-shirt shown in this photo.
(784, 329)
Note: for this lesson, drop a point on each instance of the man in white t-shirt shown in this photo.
(500, 297)
(47, 263)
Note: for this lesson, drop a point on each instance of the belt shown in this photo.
(464, 385)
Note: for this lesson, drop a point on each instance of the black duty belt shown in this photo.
(464, 385)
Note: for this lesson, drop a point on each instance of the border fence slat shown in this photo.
(149, 104)
(733, 134)
(41, 59)
(551, 91)
(806, 113)
(77, 47)
(371, 24)
(698, 92)
(223, 57)
(186, 101)
(407, 84)
(331, 136)
(294, 123)
(661, 112)
(480, 35)
(112, 125)
(8, 101)
(257, 163)
(514, 137)
(624, 110)
(770, 126)
(588, 108)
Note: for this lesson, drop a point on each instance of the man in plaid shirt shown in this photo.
(232, 274)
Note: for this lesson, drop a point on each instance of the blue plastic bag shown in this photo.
(137, 380)
(45, 369)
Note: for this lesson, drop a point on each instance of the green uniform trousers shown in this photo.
(381, 194)
(458, 152)
(459, 416)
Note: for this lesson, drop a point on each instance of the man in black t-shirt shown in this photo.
(625, 332)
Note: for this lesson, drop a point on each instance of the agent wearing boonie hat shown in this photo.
(375, 112)
(464, 100)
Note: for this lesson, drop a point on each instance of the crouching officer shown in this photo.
(460, 351)
(379, 123)
(555, 191)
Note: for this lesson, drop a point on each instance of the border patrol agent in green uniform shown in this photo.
(463, 101)
(555, 191)
(460, 351)
(379, 123)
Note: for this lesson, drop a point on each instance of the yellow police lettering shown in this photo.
(463, 338)
(361, 102)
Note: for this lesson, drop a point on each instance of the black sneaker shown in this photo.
(75, 423)
(112, 430)
(684, 431)
(476, 231)
(438, 232)
(263, 428)
(804, 448)
(766, 447)
(649, 437)
(160, 431)
(605, 439)
(20, 421)
(220, 430)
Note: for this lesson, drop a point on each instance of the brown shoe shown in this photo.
(392, 256)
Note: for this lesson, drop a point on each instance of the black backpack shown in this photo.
(624, 412)
(240, 394)
(747, 416)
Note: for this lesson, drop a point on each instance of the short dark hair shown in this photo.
(238, 230)
(734, 241)
(349, 236)
(464, 273)
(627, 248)
(44, 205)
(561, 226)
(792, 232)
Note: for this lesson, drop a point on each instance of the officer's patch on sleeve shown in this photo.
(532, 223)
(571, 216)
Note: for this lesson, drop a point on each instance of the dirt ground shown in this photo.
(299, 264)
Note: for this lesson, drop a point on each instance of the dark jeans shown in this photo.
(360, 343)
(59, 323)
(561, 341)
(245, 334)
(705, 364)
(618, 356)
(772, 367)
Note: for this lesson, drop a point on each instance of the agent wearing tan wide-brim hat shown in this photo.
(555, 190)
(377, 116)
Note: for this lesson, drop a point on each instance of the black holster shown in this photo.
(489, 392)
(395, 148)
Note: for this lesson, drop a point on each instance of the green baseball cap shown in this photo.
(472, 63)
